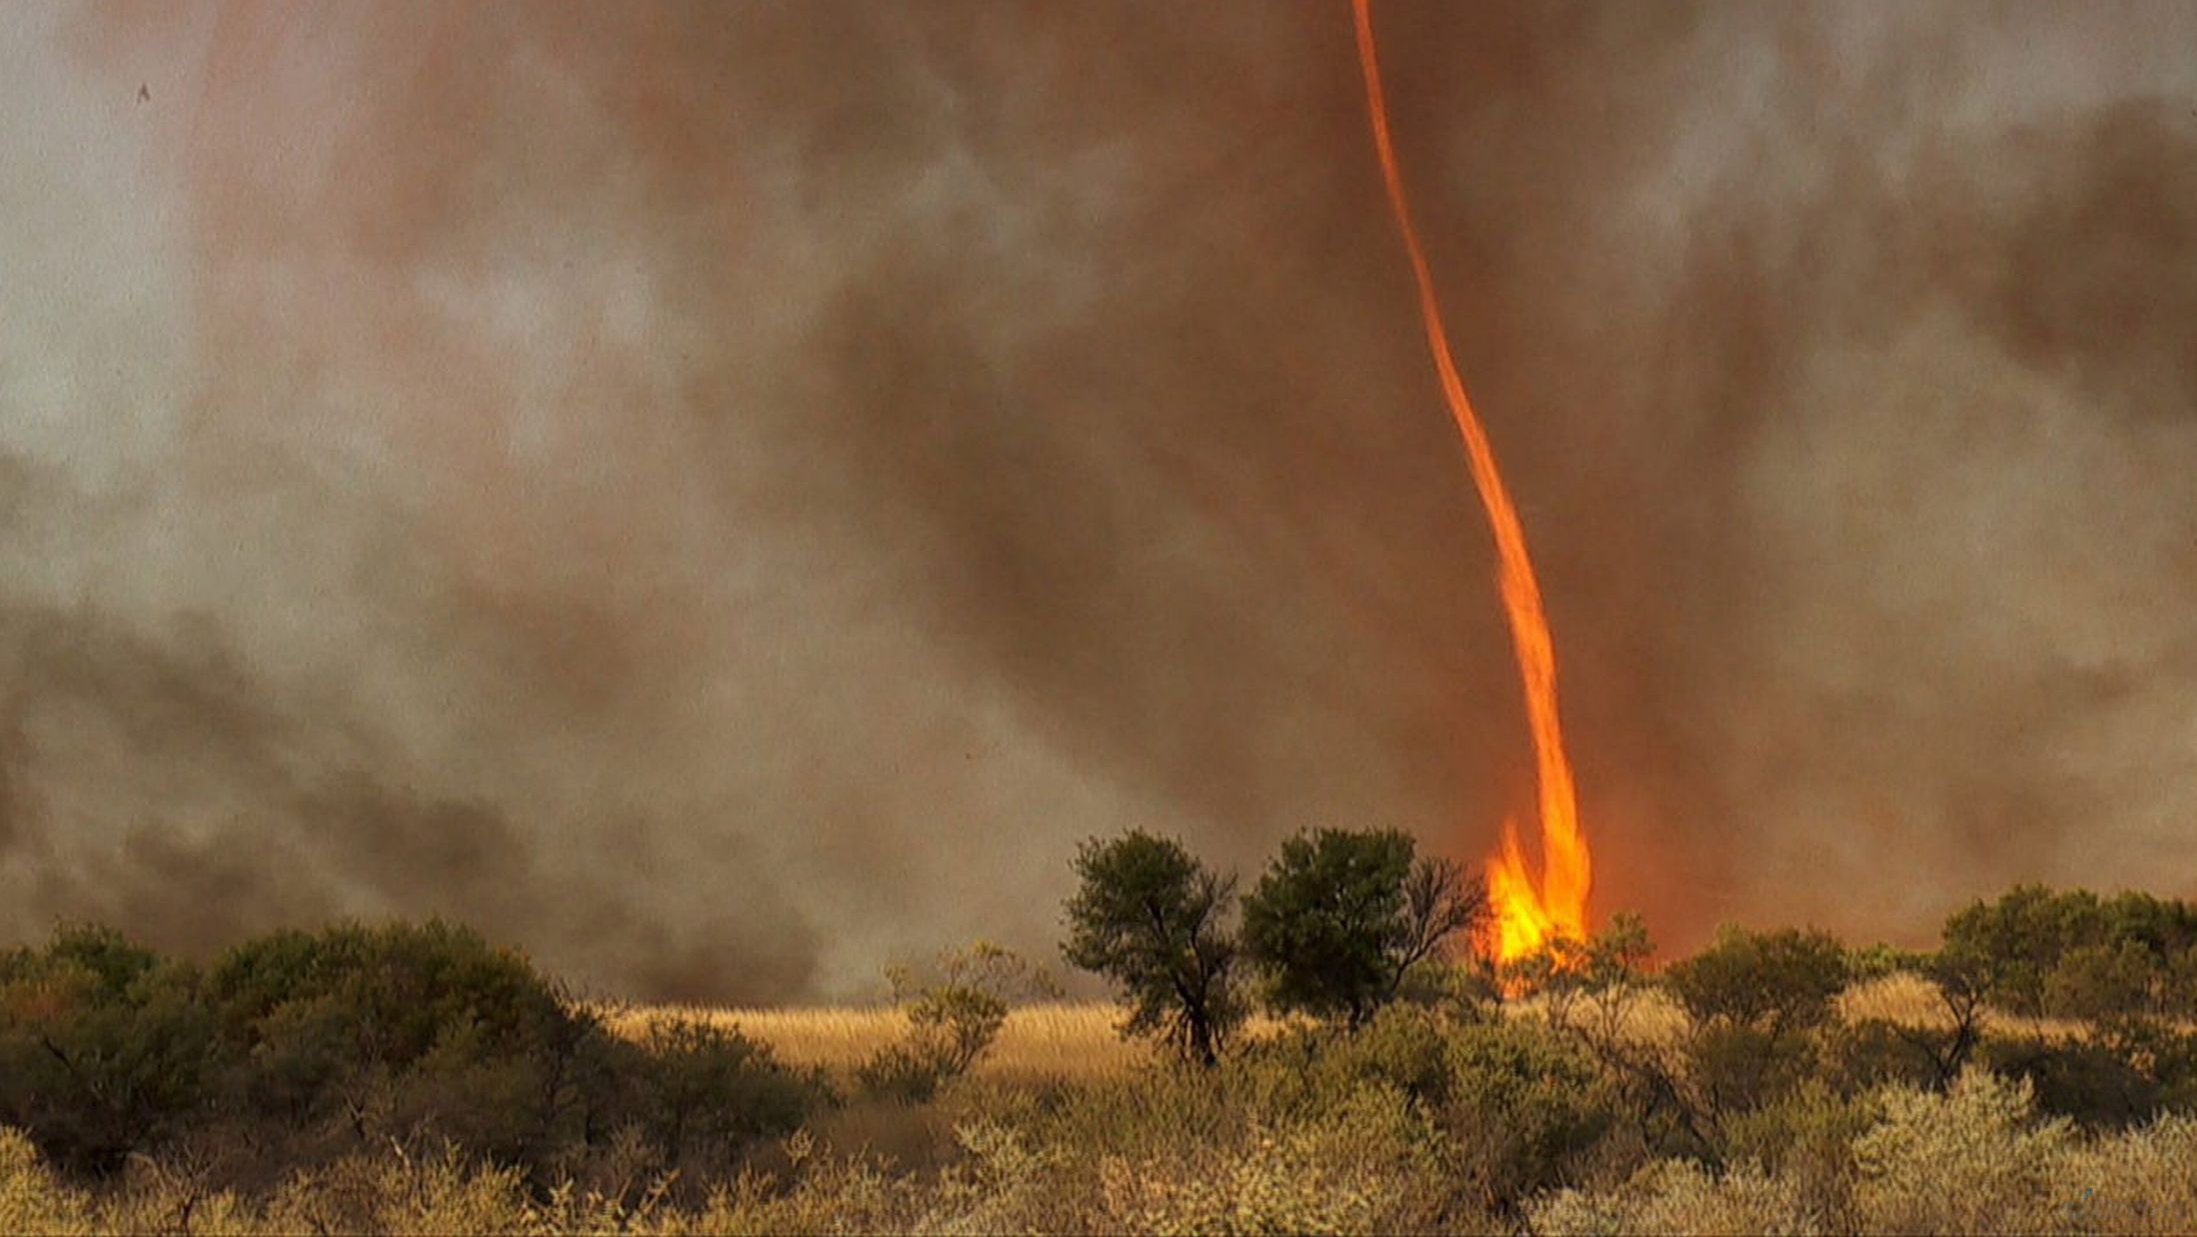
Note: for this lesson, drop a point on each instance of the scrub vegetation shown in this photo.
(1333, 1057)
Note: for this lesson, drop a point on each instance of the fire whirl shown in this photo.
(1527, 914)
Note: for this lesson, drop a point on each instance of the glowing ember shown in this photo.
(1526, 915)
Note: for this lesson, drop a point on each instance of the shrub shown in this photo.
(1878, 1052)
(1804, 1140)
(1369, 1164)
(398, 990)
(1404, 1049)
(2140, 1181)
(1679, 1198)
(1525, 1108)
(1739, 1066)
(32, 1198)
(404, 1030)
(1972, 1160)
(1756, 1000)
(2019, 938)
(2073, 953)
(2093, 1082)
(952, 1019)
(706, 1093)
(2103, 981)
(297, 1049)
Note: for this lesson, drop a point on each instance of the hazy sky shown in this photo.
(727, 495)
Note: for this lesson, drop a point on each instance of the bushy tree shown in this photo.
(1781, 981)
(399, 1028)
(104, 1046)
(1341, 916)
(1755, 999)
(301, 1047)
(2072, 953)
(699, 1091)
(1151, 918)
(2019, 938)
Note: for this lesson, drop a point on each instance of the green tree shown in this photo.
(1756, 998)
(104, 1046)
(1342, 916)
(1776, 982)
(2072, 953)
(1152, 919)
(2021, 937)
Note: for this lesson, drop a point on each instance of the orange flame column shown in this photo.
(1527, 914)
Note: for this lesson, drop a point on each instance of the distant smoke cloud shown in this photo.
(727, 496)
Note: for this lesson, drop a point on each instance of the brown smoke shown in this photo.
(726, 495)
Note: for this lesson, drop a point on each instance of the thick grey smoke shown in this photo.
(728, 495)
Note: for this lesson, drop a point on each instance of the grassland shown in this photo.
(1065, 1041)
(1077, 1041)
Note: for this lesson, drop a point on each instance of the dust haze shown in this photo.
(725, 496)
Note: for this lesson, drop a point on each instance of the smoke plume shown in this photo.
(726, 496)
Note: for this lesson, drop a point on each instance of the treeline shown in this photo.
(1344, 923)
(301, 1048)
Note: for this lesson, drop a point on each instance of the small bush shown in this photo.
(1806, 1141)
(1973, 1160)
(1679, 1198)
(705, 1094)
(33, 1199)
(1526, 1110)
(1877, 1052)
(2091, 1082)
(952, 1019)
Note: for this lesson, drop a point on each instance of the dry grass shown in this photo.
(1909, 999)
(1053, 1041)
(1076, 1041)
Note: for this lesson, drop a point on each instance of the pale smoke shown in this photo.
(728, 495)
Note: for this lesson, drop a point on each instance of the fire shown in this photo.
(1527, 914)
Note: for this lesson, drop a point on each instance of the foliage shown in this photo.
(397, 1030)
(1564, 967)
(1341, 917)
(1756, 1001)
(104, 1046)
(2073, 953)
(1152, 919)
(1806, 1139)
(300, 1048)
(2093, 1082)
(1972, 1160)
(953, 1018)
(1878, 1052)
(1774, 983)
(701, 1091)
(1527, 1107)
